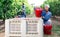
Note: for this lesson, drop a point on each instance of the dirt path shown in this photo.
(55, 22)
(2, 34)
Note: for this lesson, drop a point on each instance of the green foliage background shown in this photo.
(9, 8)
(54, 6)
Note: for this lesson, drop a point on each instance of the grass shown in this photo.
(56, 29)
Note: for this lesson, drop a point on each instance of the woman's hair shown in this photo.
(49, 9)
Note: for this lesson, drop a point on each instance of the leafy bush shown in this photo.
(10, 8)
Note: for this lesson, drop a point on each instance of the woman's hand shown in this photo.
(42, 17)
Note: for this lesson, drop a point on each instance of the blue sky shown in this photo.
(36, 2)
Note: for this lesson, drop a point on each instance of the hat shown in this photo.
(47, 6)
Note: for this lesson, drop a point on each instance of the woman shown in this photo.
(46, 15)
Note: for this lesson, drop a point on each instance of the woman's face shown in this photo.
(46, 8)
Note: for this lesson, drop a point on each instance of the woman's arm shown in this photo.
(47, 16)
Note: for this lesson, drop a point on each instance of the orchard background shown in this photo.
(10, 8)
